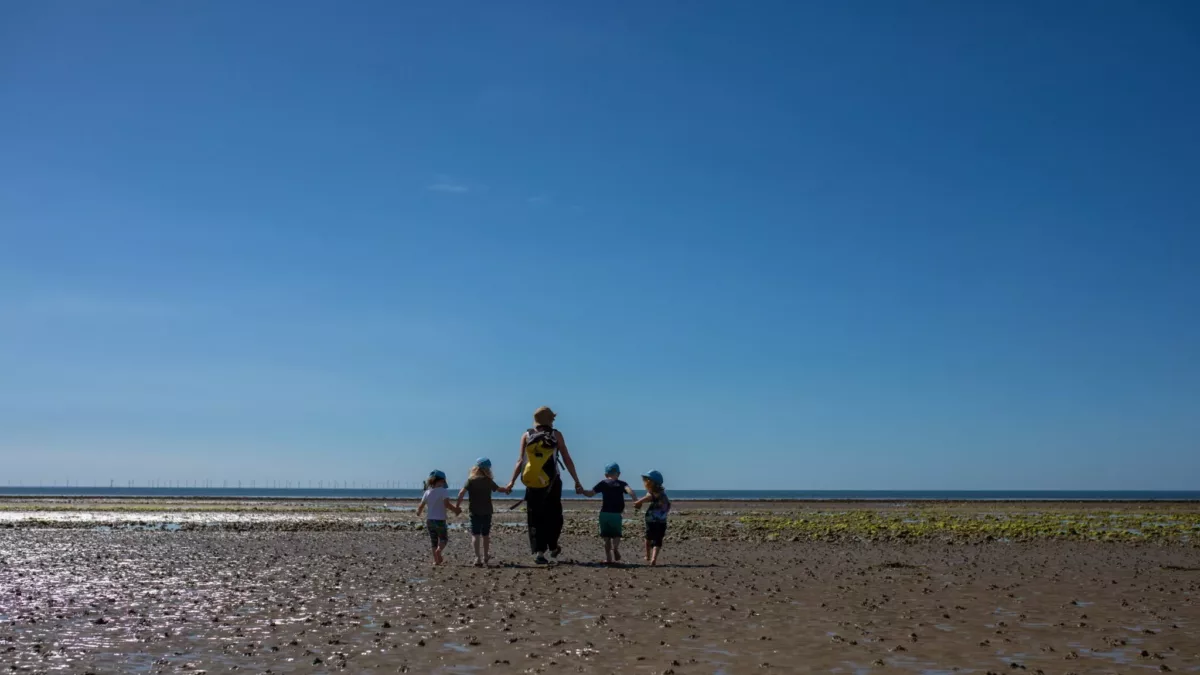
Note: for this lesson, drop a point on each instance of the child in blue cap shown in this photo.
(479, 487)
(613, 489)
(656, 513)
(437, 500)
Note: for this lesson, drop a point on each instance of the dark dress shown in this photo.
(543, 509)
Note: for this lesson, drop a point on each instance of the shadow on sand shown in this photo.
(598, 565)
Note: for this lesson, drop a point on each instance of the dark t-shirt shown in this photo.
(479, 491)
(613, 490)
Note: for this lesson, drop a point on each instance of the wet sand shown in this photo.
(328, 588)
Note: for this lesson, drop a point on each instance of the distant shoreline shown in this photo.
(508, 501)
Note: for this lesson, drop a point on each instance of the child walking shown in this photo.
(613, 489)
(479, 487)
(437, 501)
(656, 513)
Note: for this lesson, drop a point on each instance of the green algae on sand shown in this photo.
(1014, 526)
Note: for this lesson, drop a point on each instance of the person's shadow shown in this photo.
(601, 565)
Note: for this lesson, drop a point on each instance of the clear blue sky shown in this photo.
(865, 244)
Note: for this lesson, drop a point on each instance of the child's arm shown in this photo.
(638, 504)
(421, 507)
(630, 492)
(588, 493)
(461, 493)
(452, 507)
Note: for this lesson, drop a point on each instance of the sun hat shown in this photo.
(612, 468)
(483, 463)
(543, 416)
(437, 473)
(654, 476)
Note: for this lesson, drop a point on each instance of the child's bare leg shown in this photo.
(648, 547)
(616, 543)
(654, 556)
(475, 543)
(608, 546)
(487, 548)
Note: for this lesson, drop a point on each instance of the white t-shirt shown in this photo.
(434, 500)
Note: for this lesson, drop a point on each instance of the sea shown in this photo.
(702, 495)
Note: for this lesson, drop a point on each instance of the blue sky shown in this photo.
(774, 244)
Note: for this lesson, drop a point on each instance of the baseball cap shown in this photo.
(612, 468)
(437, 473)
(654, 476)
(483, 463)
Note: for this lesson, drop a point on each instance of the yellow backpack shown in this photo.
(541, 455)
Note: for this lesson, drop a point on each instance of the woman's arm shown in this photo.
(520, 462)
(566, 455)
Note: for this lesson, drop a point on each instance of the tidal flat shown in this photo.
(223, 586)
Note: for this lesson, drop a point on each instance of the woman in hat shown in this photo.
(542, 449)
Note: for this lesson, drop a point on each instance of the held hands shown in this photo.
(579, 488)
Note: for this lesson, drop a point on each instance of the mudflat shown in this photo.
(118, 586)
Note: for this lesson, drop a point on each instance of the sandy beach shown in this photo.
(163, 586)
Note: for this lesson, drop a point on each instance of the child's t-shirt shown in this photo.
(435, 503)
(657, 508)
(479, 491)
(613, 491)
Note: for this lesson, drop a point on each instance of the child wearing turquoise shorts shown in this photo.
(613, 489)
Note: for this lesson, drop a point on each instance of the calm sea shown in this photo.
(738, 495)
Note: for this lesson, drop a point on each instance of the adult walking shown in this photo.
(542, 447)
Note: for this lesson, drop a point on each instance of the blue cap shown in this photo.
(654, 476)
(437, 473)
(612, 468)
(483, 463)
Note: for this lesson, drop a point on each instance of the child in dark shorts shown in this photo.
(438, 502)
(656, 513)
(479, 487)
(613, 490)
